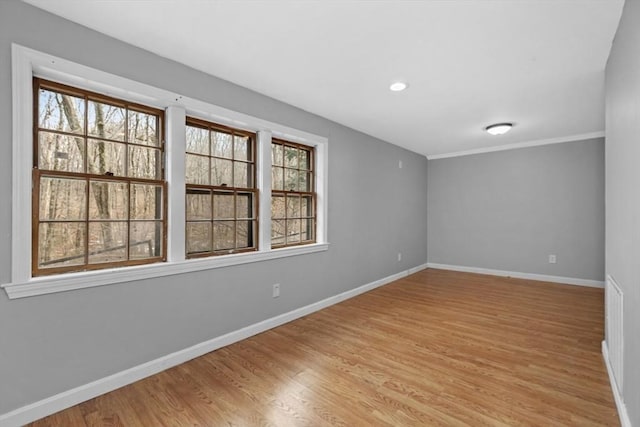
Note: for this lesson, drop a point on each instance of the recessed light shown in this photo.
(499, 128)
(398, 86)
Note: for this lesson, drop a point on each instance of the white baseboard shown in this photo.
(53, 404)
(518, 275)
(625, 421)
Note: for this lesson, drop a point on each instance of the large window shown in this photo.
(220, 190)
(293, 199)
(98, 189)
(114, 180)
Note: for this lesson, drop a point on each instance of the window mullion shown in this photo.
(263, 176)
(175, 144)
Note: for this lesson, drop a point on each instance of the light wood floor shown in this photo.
(435, 348)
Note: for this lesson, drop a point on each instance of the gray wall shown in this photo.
(52, 343)
(623, 190)
(508, 210)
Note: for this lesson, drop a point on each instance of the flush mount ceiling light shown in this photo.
(398, 86)
(499, 128)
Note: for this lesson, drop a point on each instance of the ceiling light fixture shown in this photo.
(398, 86)
(499, 128)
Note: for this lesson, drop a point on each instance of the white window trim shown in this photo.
(27, 63)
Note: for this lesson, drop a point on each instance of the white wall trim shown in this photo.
(66, 399)
(518, 275)
(22, 106)
(536, 143)
(625, 421)
(88, 279)
(175, 152)
(263, 163)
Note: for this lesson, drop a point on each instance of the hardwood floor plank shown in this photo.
(437, 348)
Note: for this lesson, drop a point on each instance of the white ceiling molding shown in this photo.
(572, 138)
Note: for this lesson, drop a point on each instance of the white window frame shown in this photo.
(27, 63)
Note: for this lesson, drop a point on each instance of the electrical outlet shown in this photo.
(552, 259)
(399, 164)
(399, 256)
(276, 290)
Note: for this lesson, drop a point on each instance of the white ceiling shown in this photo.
(469, 63)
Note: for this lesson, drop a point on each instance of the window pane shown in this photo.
(198, 237)
(277, 232)
(106, 158)
(197, 169)
(307, 229)
(277, 178)
(221, 172)
(60, 112)
(277, 207)
(293, 230)
(221, 144)
(293, 206)
(197, 140)
(107, 241)
(61, 244)
(244, 205)
(60, 152)
(223, 206)
(306, 206)
(143, 128)
(198, 204)
(305, 181)
(241, 176)
(106, 121)
(244, 234)
(291, 180)
(108, 200)
(63, 199)
(291, 157)
(90, 205)
(229, 166)
(145, 240)
(146, 201)
(223, 235)
(277, 153)
(144, 162)
(305, 159)
(242, 148)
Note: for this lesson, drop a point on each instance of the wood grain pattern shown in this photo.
(437, 348)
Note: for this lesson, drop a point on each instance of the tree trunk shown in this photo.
(100, 189)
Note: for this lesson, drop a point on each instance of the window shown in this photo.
(293, 200)
(99, 181)
(98, 189)
(221, 194)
